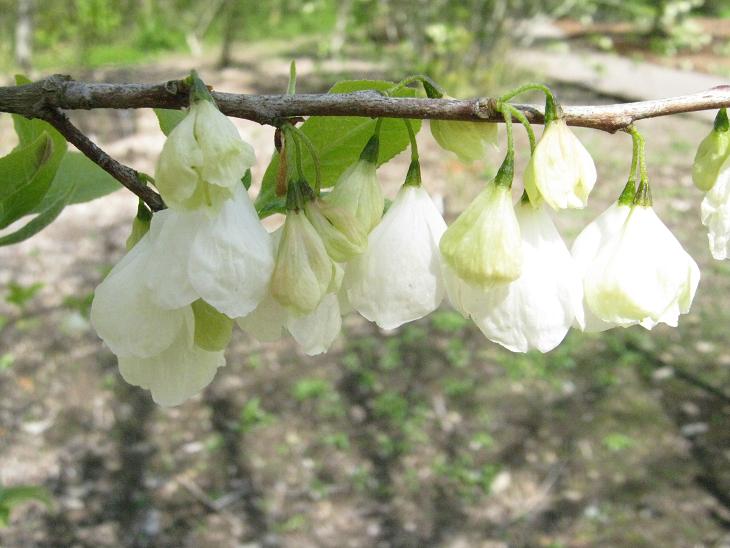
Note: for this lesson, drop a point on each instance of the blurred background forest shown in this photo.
(426, 436)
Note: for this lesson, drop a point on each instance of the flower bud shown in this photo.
(641, 275)
(712, 153)
(465, 139)
(343, 236)
(358, 192)
(483, 245)
(303, 270)
(203, 159)
(560, 170)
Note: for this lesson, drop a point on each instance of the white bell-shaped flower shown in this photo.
(224, 256)
(538, 308)
(303, 272)
(712, 153)
(716, 214)
(560, 170)
(203, 159)
(155, 347)
(482, 246)
(588, 244)
(398, 278)
(314, 332)
(641, 275)
(358, 192)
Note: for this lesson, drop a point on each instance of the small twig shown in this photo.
(129, 177)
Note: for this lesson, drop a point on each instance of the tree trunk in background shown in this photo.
(24, 35)
(340, 31)
(231, 12)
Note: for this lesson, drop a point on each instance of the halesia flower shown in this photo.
(467, 140)
(589, 243)
(224, 256)
(641, 275)
(203, 159)
(398, 279)
(155, 346)
(314, 332)
(712, 153)
(716, 214)
(560, 170)
(358, 192)
(303, 272)
(343, 236)
(538, 308)
(482, 246)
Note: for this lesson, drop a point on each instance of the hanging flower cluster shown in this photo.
(192, 271)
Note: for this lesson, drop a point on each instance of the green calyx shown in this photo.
(643, 195)
(722, 124)
(371, 150)
(506, 172)
(298, 194)
(198, 90)
(628, 193)
(552, 110)
(213, 329)
(413, 177)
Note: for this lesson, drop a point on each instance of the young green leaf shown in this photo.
(90, 181)
(339, 140)
(40, 221)
(10, 497)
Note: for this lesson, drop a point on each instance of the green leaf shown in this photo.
(168, 118)
(340, 140)
(212, 329)
(10, 497)
(89, 180)
(40, 221)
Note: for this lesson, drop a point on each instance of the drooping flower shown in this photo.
(155, 346)
(467, 140)
(398, 279)
(589, 243)
(224, 256)
(712, 153)
(538, 308)
(561, 170)
(716, 214)
(482, 246)
(203, 159)
(357, 190)
(314, 332)
(641, 275)
(303, 272)
(342, 235)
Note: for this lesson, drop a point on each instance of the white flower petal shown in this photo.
(316, 331)
(176, 174)
(125, 316)
(177, 373)
(266, 322)
(398, 278)
(226, 157)
(716, 214)
(232, 258)
(172, 233)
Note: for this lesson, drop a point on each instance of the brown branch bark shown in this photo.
(45, 98)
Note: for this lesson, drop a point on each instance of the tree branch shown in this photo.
(64, 93)
(45, 98)
(124, 174)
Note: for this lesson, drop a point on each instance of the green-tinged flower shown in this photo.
(203, 159)
(560, 170)
(343, 236)
(358, 192)
(467, 140)
(213, 329)
(483, 245)
(303, 270)
(712, 153)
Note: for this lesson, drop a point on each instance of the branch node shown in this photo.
(486, 107)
